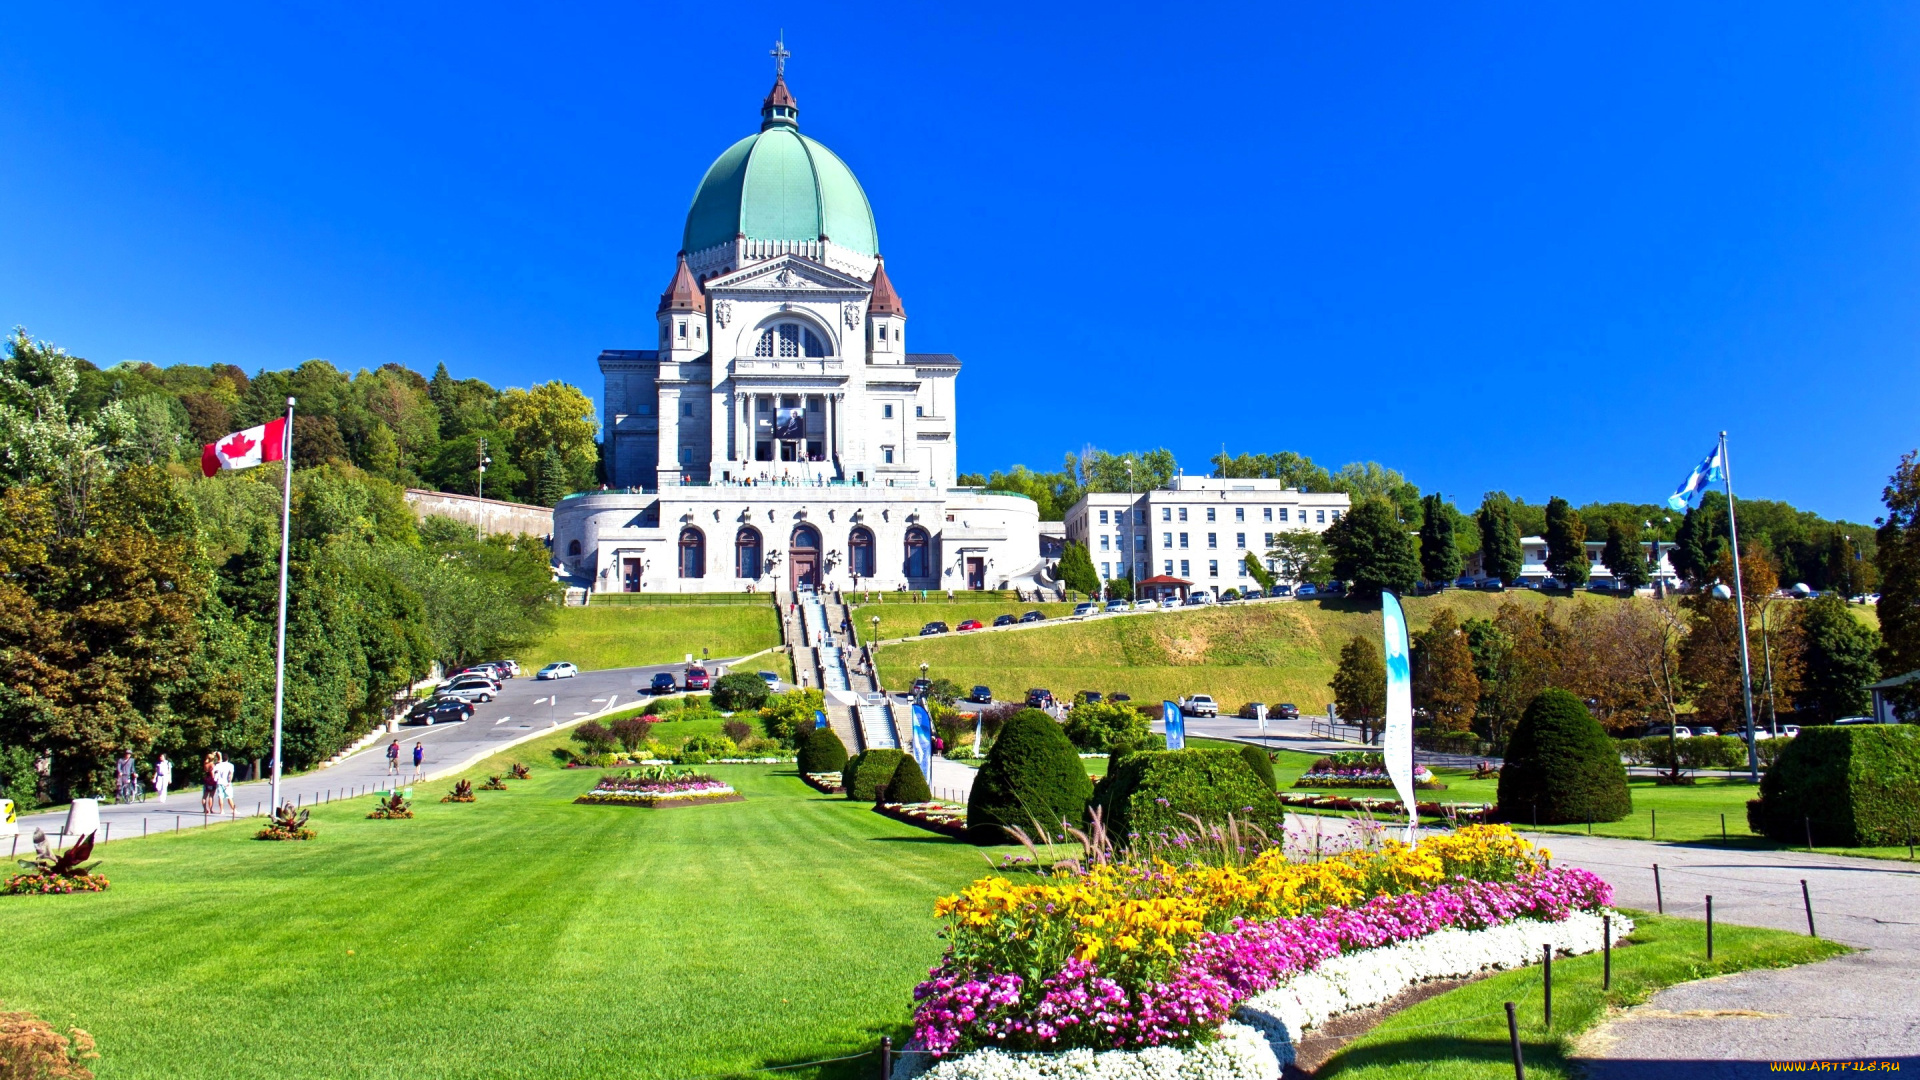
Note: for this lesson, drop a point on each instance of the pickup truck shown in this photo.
(1198, 705)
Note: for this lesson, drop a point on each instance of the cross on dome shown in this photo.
(780, 54)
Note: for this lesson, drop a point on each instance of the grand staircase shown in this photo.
(812, 628)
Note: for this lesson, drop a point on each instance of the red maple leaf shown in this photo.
(238, 446)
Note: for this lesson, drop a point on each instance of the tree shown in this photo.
(1844, 570)
(1360, 681)
(1300, 555)
(552, 485)
(1258, 571)
(1076, 569)
(43, 438)
(1291, 469)
(1102, 471)
(1898, 561)
(738, 691)
(1525, 660)
(1372, 549)
(1710, 656)
(1561, 767)
(1566, 543)
(1623, 557)
(1439, 557)
(1695, 547)
(1444, 682)
(1837, 659)
(557, 416)
(1500, 554)
(1372, 480)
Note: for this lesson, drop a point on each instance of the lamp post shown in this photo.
(1135, 575)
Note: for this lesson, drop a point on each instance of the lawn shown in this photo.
(1273, 651)
(1462, 1034)
(520, 935)
(609, 636)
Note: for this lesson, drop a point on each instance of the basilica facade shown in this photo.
(780, 434)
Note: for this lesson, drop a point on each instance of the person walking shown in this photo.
(206, 783)
(393, 758)
(126, 778)
(162, 778)
(419, 755)
(223, 784)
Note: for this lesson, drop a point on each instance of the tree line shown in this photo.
(138, 600)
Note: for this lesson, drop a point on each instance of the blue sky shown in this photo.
(1546, 248)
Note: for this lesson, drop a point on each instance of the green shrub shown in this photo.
(1151, 790)
(822, 751)
(1855, 785)
(1261, 764)
(909, 784)
(866, 775)
(1771, 750)
(740, 690)
(1561, 765)
(1713, 752)
(1632, 751)
(1032, 774)
(786, 715)
(1097, 727)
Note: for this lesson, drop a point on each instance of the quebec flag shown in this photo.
(1708, 472)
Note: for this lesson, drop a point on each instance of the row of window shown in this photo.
(886, 411)
(804, 546)
(1119, 543)
(1186, 568)
(1118, 517)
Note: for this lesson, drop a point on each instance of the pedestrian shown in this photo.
(223, 784)
(162, 778)
(126, 777)
(393, 758)
(206, 783)
(419, 755)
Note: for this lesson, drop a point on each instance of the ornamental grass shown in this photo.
(1156, 945)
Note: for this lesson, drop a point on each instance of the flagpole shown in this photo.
(1740, 598)
(280, 658)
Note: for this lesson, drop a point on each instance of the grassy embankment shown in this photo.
(1462, 1034)
(608, 636)
(904, 620)
(519, 934)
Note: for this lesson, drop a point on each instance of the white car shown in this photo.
(1199, 705)
(1083, 610)
(561, 670)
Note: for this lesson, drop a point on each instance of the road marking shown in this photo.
(610, 700)
(502, 720)
(599, 699)
(579, 714)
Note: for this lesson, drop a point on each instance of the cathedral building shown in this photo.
(780, 434)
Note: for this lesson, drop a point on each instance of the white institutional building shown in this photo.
(780, 434)
(1197, 532)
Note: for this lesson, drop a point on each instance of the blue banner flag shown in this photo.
(1397, 741)
(819, 718)
(923, 740)
(1176, 723)
(1711, 471)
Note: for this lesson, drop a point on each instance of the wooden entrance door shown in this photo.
(976, 573)
(806, 570)
(630, 575)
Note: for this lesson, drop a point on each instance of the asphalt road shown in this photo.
(524, 708)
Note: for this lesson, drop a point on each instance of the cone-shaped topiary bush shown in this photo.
(1561, 764)
(909, 784)
(1032, 774)
(1153, 792)
(821, 751)
(1261, 764)
(866, 774)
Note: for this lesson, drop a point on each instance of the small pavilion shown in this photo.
(1163, 587)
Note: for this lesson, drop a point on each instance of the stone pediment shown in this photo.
(787, 274)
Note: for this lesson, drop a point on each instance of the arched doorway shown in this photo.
(693, 553)
(803, 558)
(860, 552)
(746, 553)
(919, 561)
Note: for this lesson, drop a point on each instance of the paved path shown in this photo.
(524, 708)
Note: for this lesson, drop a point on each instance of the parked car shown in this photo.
(970, 624)
(1034, 616)
(1199, 596)
(560, 670)
(772, 680)
(1463, 582)
(1551, 583)
(1118, 606)
(1004, 620)
(1199, 705)
(512, 666)
(1080, 610)
(664, 683)
(933, 628)
(1789, 731)
(1601, 585)
(1089, 697)
(1660, 731)
(919, 687)
(1250, 711)
(1494, 584)
(1231, 596)
(468, 682)
(1334, 588)
(1169, 604)
(1850, 720)
(1039, 699)
(489, 671)
(1280, 590)
(1286, 710)
(1116, 698)
(441, 711)
(1307, 591)
(980, 695)
(696, 678)
(476, 691)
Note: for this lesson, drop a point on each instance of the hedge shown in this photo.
(1151, 791)
(1853, 786)
(1031, 775)
(909, 784)
(821, 751)
(740, 690)
(1261, 764)
(866, 775)
(1560, 767)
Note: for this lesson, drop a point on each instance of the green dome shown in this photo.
(780, 185)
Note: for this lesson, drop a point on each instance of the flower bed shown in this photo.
(944, 818)
(658, 787)
(34, 884)
(1361, 770)
(1146, 958)
(824, 782)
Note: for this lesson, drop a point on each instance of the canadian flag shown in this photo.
(245, 449)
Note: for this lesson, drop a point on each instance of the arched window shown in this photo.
(693, 553)
(806, 538)
(919, 558)
(789, 340)
(746, 553)
(860, 552)
(573, 547)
